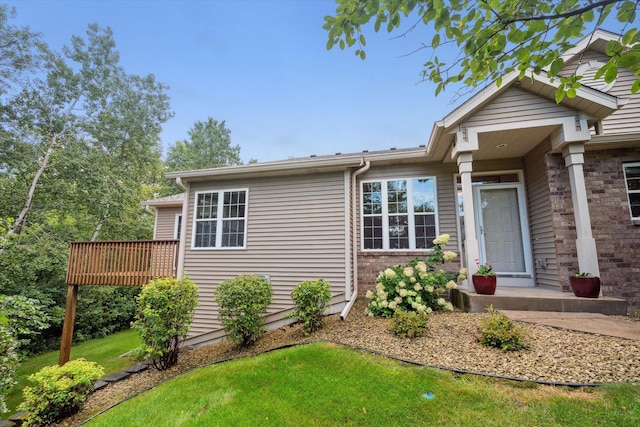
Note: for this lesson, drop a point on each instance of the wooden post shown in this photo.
(67, 328)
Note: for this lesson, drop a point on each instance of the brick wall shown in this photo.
(617, 238)
(370, 264)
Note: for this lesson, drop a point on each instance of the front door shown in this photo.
(503, 232)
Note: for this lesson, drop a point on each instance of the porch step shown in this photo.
(536, 299)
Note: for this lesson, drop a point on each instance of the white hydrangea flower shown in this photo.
(441, 301)
(441, 240)
(392, 305)
(421, 266)
(413, 280)
(384, 304)
(451, 285)
(429, 288)
(389, 274)
(417, 287)
(369, 294)
(428, 310)
(449, 256)
(398, 300)
(448, 306)
(408, 272)
(403, 293)
(402, 284)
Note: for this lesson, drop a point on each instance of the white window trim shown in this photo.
(218, 246)
(176, 225)
(626, 187)
(385, 214)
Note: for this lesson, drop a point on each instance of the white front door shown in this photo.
(503, 232)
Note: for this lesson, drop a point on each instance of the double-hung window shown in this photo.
(398, 214)
(220, 219)
(632, 180)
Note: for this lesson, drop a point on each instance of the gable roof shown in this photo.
(593, 102)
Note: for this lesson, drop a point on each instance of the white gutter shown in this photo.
(148, 209)
(183, 227)
(354, 243)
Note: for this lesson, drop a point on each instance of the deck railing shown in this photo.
(124, 263)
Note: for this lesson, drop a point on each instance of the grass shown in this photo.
(325, 385)
(104, 351)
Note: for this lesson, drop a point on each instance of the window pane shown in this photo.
(632, 171)
(205, 234)
(372, 238)
(633, 184)
(399, 232)
(634, 201)
(424, 195)
(207, 206)
(397, 196)
(233, 204)
(372, 198)
(233, 233)
(425, 228)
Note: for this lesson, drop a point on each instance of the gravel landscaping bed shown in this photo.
(554, 355)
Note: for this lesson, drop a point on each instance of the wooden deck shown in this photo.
(121, 263)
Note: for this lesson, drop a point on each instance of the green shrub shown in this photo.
(408, 324)
(310, 298)
(8, 362)
(59, 391)
(418, 286)
(500, 332)
(242, 301)
(165, 313)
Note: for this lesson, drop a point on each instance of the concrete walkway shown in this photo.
(595, 323)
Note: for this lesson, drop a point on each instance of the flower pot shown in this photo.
(586, 287)
(485, 285)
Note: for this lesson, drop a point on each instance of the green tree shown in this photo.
(209, 146)
(494, 37)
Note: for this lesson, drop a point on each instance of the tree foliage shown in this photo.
(79, 150)
(8, 361)
(494, 37)
(208, 146)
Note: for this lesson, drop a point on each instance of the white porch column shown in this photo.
(471, 250)
(585, 244)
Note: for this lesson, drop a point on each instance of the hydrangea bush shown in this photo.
(417, 286)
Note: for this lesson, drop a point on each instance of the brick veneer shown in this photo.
(617, 238)
(370, 264)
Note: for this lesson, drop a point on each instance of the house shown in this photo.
(537, 189)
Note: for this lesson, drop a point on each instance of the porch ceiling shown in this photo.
(506, 144)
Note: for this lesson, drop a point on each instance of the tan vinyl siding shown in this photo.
(540, 219)
(445, 189)
(626, 119)
(295, 231)
(514, 106)
(166, 222)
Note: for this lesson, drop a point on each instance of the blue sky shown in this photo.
(262, 66)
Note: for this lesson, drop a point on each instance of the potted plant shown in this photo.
(484, 280)
(584, 284)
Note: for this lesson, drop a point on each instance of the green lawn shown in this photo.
(325, 385)
(104, 351)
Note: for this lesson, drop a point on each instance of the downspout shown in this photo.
(183, 227)
(364, 166)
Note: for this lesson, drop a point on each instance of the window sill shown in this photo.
(635, 222)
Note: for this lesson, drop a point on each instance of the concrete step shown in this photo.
(536, 299)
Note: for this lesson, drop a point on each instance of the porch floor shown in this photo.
(535, 299)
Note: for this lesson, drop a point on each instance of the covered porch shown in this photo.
(522, 201)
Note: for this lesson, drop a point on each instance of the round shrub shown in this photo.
(165, 313)
(500, 332)
(311, 299)
(59, 391)
(408, 324)
(242, 301)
